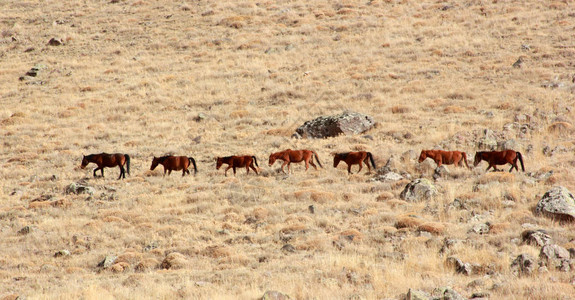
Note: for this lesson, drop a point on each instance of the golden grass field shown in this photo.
(210, 78)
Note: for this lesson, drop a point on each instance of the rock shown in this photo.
(507, 145)
(288, 248)
(418, 190)
(523, 265)
(536, 237)
(390, 176)
(440, 172)
(446, 293)
(348, 123)
(77, 188)
(487, 141)
(459, 266)
(174, 260)
(480, 295)
(482, 228)
(555, 256)
(275, 295)
(62, 253)
(55, 42)
(417, 295)
(557, 203)
(108, 261)
(25, 230)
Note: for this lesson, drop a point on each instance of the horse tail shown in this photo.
(193, 161)
(317, 159)
(520, 160)
(127, 163)
(371, 159)
(255, 161)
(465, 159)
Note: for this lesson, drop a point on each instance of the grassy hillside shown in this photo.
(210, 78)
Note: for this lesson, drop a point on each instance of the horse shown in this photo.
(499, 158)
(237, 162)
(354, 158)
(289, 156)
(174, 163)
(105, 160)
(445, 157)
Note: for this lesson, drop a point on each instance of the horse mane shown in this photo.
(342, 155)
(162, 158)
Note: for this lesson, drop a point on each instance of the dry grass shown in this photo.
(211, 78)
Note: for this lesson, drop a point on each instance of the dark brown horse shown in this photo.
(495, 158)
(289, 156)
(105, 160)
(174, 163)
(444, 157)
(237, 162)
(354, 158)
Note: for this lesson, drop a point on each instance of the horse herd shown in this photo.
(176, 163)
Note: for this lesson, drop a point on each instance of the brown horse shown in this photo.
(354, 158)
(289, 156)
(105, 160)
(237, 162)
(444, 157)
(499, 158)
(174, 163)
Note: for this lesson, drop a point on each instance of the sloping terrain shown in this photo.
(210, 78)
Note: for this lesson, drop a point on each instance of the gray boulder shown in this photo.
(275, 295)
(78, 188)
(557, 203)
(536, 237)
(446, 293)
(418, 190)
(417, 295)
(348, 123)
(556, 256)
(523, 265)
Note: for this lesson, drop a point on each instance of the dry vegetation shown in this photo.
(208, 78)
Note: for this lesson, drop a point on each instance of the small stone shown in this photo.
(417, 295)
(108, 261)
(55, 42)
(25, 230)
(275, 295)
(61, 253)
(536, 237)
(288, 248)
(523, 265)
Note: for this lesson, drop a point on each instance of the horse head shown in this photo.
(422, 156)
(273, 158)
(477, 159)
(336, 160)
(219, 162)
(85, 161)
(155, 163)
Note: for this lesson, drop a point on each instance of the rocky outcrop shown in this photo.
(418, 190)
(348, 123)
(557, 203)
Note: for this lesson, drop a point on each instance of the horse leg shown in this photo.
(360, 167)
(226, 172)
(102, 170)
(96, 169)
(169, 172)
(348, 168)
(122, 172)
(285, 163)
(165, 170)
(183, 172)
(311, 163)
(234, 168)
(253, 168)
